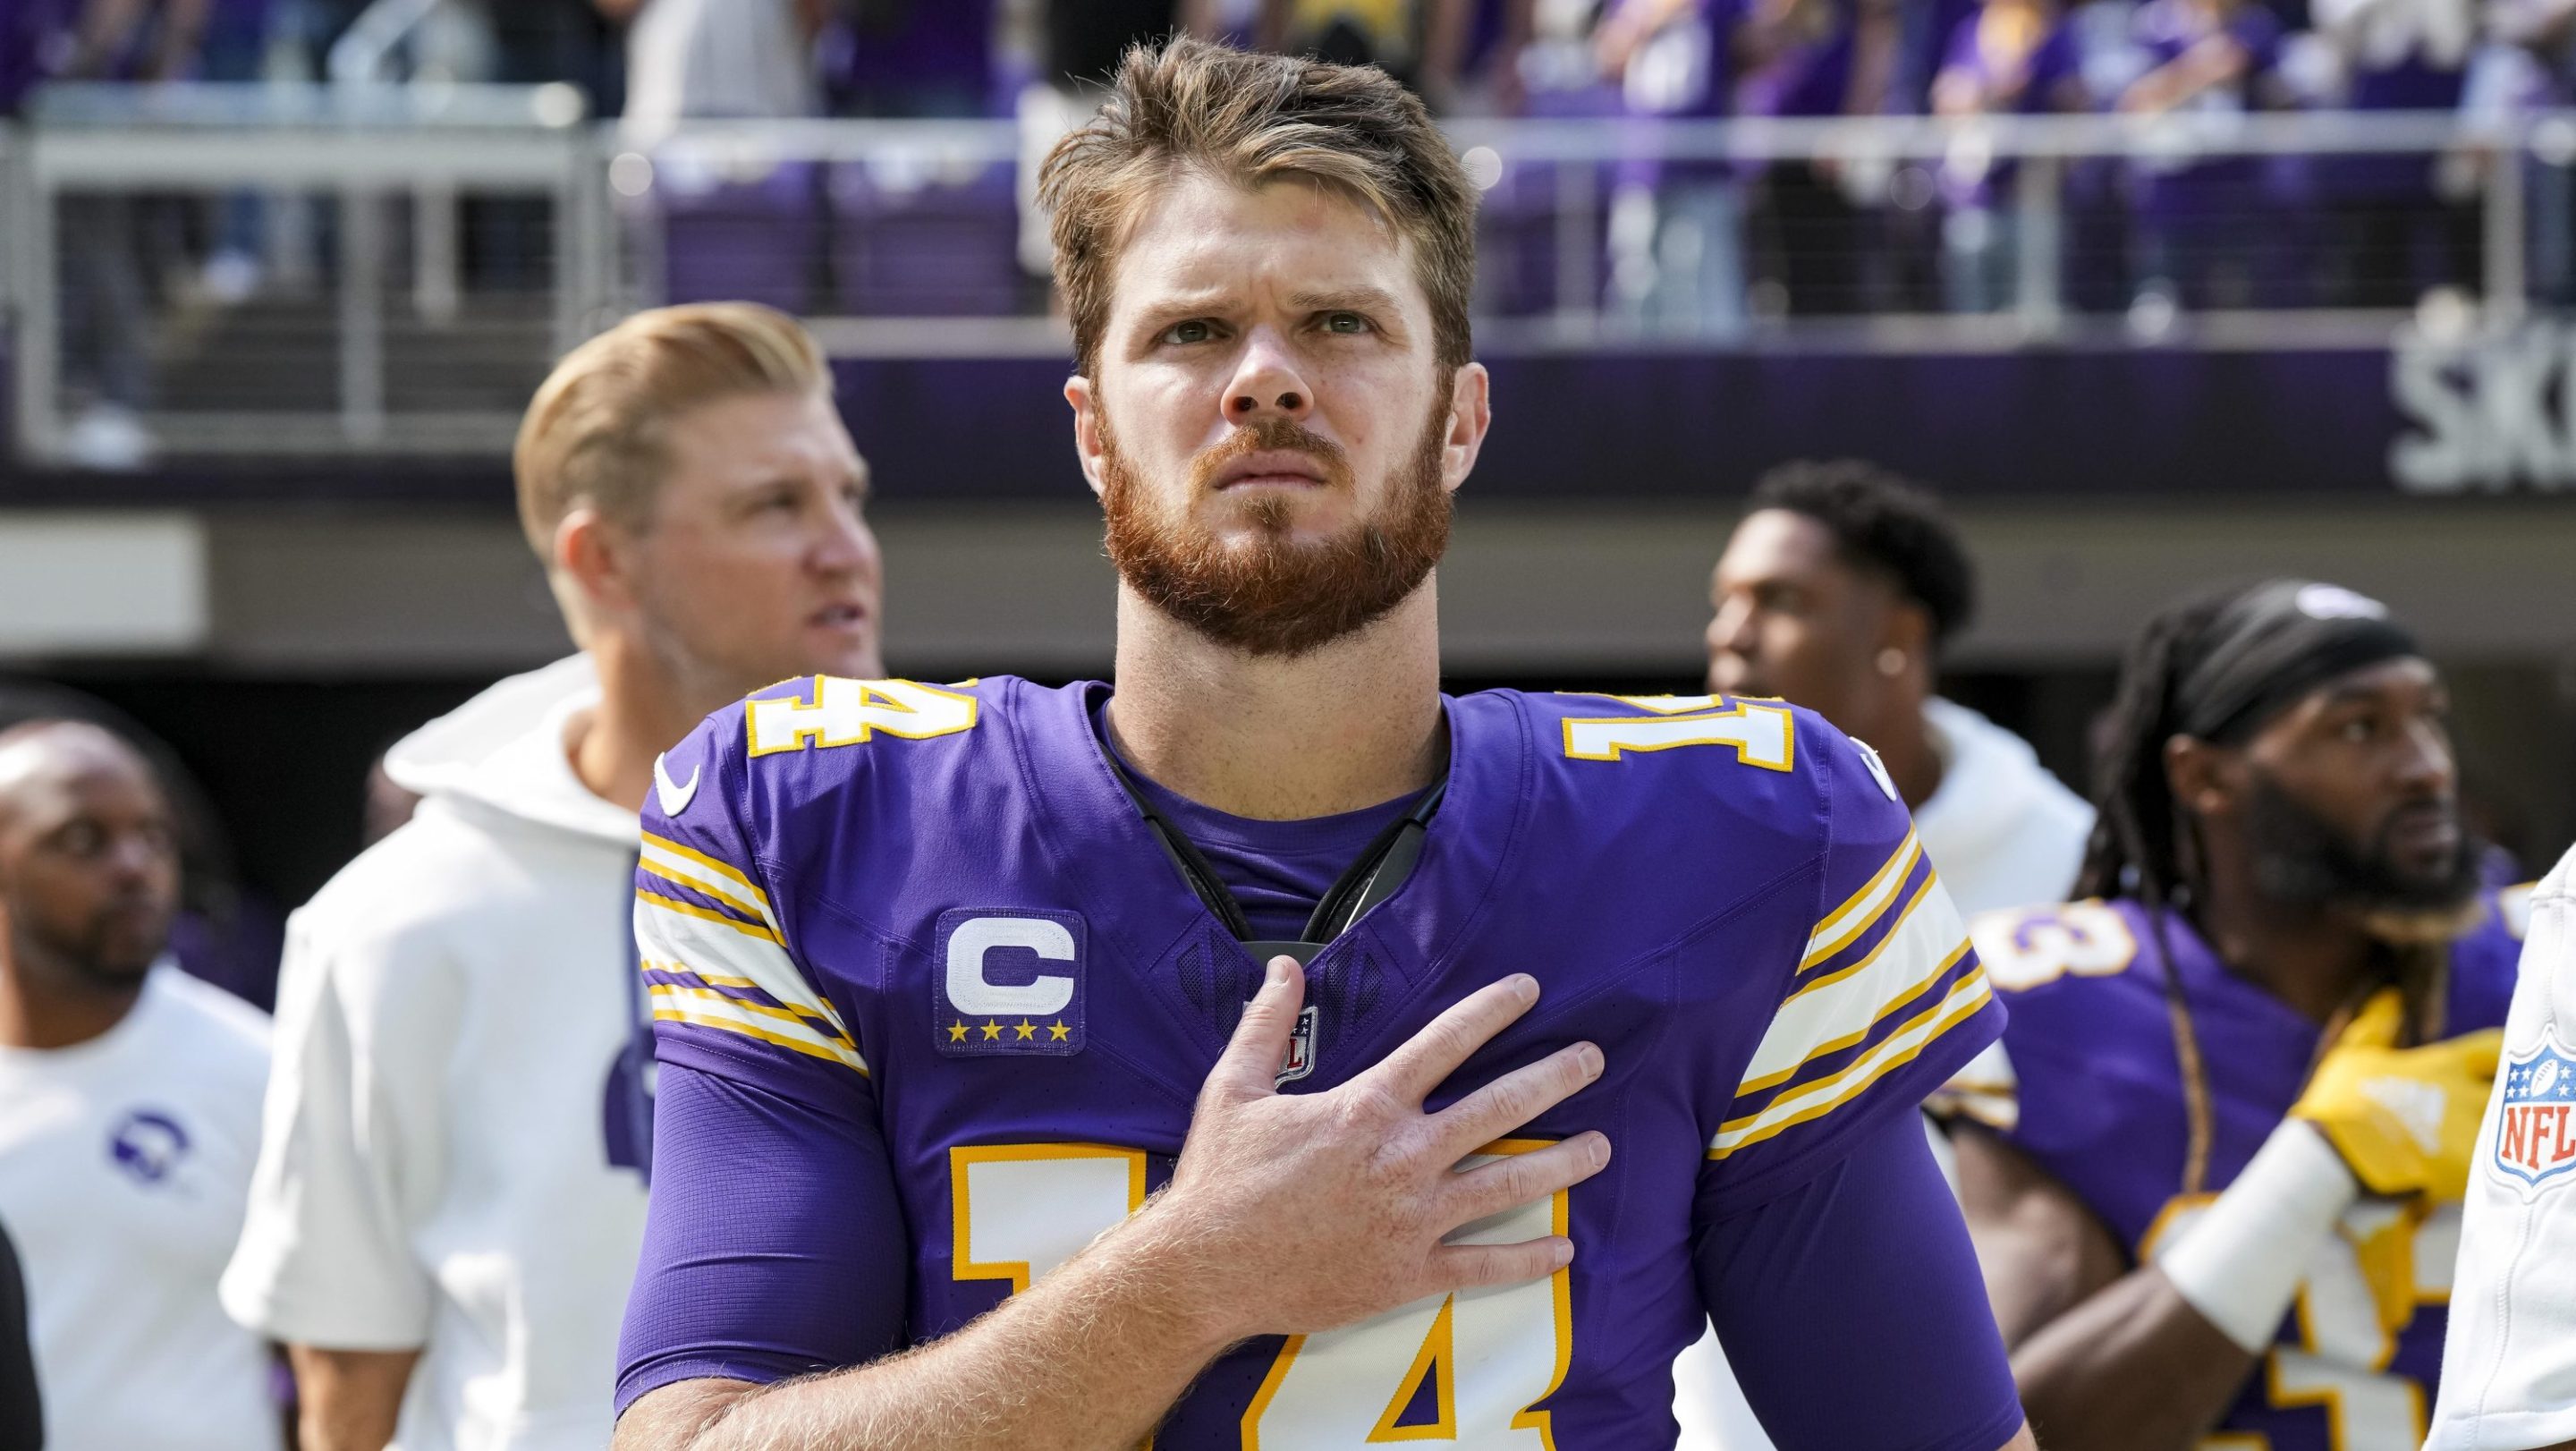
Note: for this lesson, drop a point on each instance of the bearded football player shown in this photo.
(2247, 1074)
(1236, 1057)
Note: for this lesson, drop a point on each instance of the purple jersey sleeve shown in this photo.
(729, 994)
(1885, 1002)
(759, 1276)
(1852, 1310)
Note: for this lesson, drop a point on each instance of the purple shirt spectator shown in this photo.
(916, 58)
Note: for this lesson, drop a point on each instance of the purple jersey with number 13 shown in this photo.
(2088, 1083)
(933, 911)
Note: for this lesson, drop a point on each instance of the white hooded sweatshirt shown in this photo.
(434, 1169)
(1999, 828)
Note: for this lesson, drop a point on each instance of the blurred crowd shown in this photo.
(1700, 247)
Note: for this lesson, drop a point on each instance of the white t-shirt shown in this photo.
(435, 1171)
(2509, 1357)
(123, 1162)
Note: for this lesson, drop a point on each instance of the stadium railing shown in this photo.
(420, 252)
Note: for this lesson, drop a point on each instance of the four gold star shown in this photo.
(1023, 1031)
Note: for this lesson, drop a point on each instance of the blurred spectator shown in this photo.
(1676, 227)
(1383, 33)
(235, 52)
(2201, 230)
(35, 37)
(2544, 32)
(110, 240)
(1830, 248)
(2012, 57)
(2399, 225)
(1471, 52)
(918, 59)
(694, 59)
(129, 1111)
(1079, 43)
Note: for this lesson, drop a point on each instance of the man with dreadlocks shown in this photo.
(2249, 1072)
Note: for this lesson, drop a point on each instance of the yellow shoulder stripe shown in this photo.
(723, 869)
(1844, 925)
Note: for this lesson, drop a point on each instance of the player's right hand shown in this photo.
(2405, 1120)
(1299, 1213)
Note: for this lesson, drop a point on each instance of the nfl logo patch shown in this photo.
(1301, 1051)
(2535, 1140)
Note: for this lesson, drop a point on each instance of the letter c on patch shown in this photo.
(974, 995)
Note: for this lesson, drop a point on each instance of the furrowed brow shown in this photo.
(1346, 299)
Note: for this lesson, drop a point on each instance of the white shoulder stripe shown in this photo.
(703, 947)
(697, 875)
(713, 1010)
(1815, 1100)
(1837, 1013)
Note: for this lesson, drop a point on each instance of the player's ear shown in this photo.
(1089, 441)
(1908, 629)
(593, 556)
(1471, 413)
(2196, 773)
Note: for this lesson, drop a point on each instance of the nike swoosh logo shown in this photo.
(673, 796)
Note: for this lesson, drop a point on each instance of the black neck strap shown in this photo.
(1367, 881)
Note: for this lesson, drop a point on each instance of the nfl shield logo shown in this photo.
(1301, 1051)
(2535, 1140)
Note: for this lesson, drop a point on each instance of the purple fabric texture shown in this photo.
(1866, 1265)
(931, 930)
(781, 1256)
(2102, 1106)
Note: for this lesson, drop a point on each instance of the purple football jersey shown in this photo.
(936, 908)
(2087, 1082)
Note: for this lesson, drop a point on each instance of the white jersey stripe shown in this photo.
(710, 947)
(1834, 1016)
(1815, 1100)
(698, 874)
(710, 1010)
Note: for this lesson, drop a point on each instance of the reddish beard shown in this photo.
(1271, 593)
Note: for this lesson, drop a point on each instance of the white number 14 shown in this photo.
(1460, 1370)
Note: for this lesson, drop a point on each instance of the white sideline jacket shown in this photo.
(432, 1170)
(2509, 1358)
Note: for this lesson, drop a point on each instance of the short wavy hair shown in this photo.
(595, 435)
(1191, 105)
(1885, 523)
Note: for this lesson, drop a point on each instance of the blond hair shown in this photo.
(1251, 120)
(594, 434)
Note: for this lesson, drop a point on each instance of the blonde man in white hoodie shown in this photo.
(450, 1196)
(1836, 592)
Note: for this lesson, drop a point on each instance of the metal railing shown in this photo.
(903, 239)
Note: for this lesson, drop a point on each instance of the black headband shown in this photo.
(2273, 644)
